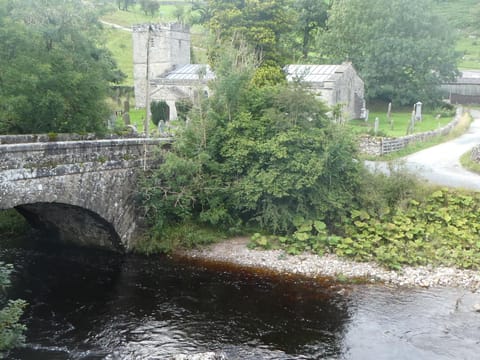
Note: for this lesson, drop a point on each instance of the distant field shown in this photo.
(464, 16)
(135, 15)
(470, 48)
(119, 42)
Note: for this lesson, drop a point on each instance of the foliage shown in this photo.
(11, 331)
(12, 224)
(183, 108)
(437, 227)
(160, 111)
(256, 156)
(185, 235)
(400, 53)
(312, 16)
(441, 230)
(149, 6)
(55, 76)
(263, 24)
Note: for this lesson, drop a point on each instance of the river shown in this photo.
(92, 305)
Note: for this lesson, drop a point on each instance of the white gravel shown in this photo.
(235, 252)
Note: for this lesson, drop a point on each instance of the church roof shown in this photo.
(191, 72)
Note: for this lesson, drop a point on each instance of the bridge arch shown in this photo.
(93, 182)
(69, 224)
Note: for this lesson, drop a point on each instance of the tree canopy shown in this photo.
(401, 49)
(55, 74)
(263, 24)
(254, 155)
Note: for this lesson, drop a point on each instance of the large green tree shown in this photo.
(401, 49)
(54, 72)
(254, 155)
(264, 24)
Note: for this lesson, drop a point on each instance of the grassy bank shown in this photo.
(467, 162)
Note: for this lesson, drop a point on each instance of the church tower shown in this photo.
(168, 47)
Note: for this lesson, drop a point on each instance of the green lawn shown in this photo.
(401, 121)
(119, 42)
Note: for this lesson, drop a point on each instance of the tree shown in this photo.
(160, 111)
(400, 48)
(55, 76)
(257, 155)
(123, 4)
(312, 16)
(263, 24)
(149, 6)
(11, 331)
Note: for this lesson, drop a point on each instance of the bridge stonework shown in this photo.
(80, 192)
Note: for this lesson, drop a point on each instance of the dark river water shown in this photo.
(93, 305)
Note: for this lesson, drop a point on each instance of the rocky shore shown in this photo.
(235, 252)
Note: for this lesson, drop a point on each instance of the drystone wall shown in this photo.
(475, 156)
(378, 146)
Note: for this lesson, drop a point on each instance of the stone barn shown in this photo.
(335, 84)
(465, 89)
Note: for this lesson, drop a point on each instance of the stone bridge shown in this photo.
(80, 192)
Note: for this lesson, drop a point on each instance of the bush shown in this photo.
(255, 156)
(160, 111)
(11, 331)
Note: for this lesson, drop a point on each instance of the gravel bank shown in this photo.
(235, 252)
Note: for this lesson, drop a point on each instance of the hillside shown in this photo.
(464, 15)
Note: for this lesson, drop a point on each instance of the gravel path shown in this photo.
(235, 252)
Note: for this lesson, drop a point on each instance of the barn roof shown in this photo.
(469, 77)
(313, 73)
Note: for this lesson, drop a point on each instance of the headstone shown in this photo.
(375, 129)
(418, 111)
(389, 115)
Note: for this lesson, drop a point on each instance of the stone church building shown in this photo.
(172, 77)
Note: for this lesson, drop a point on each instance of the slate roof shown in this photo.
(190, 72)
(313, 73)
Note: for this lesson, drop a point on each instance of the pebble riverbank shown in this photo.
(235, 252)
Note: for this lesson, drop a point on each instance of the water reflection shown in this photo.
(93, 305)
(87, 305)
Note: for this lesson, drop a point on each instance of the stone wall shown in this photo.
(96, 176)
(475, 156)
(382, 145)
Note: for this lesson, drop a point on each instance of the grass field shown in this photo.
(135, 15)
(400, 124)
(401, 119)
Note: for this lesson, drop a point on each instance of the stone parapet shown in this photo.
(83, 192)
